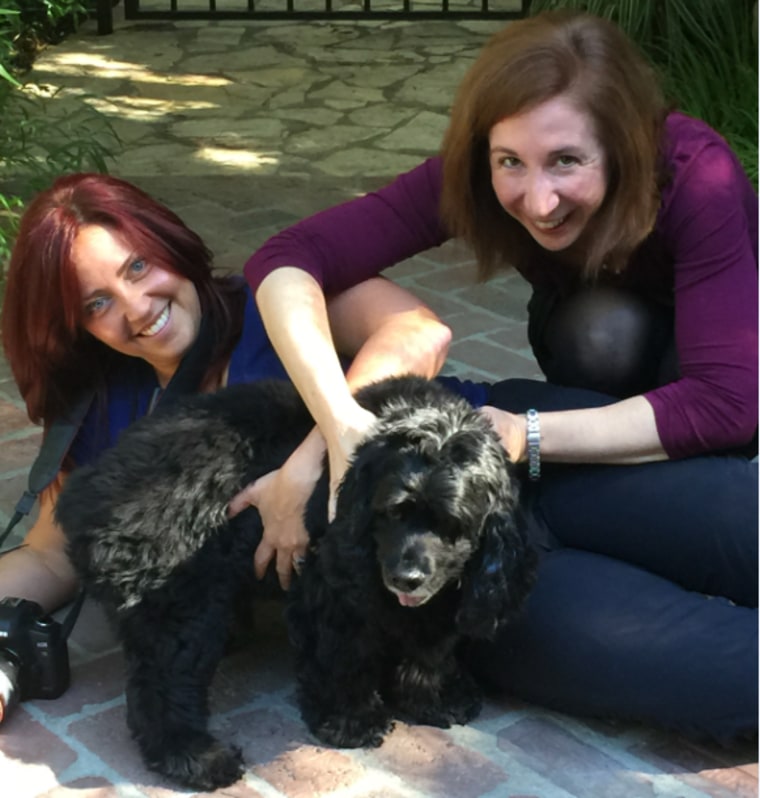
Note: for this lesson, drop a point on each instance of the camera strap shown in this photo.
(56, 443)
(44, 469)
(48, 462)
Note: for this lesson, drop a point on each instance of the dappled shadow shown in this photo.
(313, 100)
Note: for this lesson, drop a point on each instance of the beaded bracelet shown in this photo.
(534, 444)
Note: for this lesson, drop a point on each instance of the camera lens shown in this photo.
(8, 685)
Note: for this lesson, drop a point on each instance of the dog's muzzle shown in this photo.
(408, 585)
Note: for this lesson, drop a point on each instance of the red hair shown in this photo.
(51, 356)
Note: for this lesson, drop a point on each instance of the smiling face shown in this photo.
(548, 171)
(135, 307)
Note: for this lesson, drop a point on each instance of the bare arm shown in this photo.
(388, 331)
(294, 312)
(620, 433)
(40, 570)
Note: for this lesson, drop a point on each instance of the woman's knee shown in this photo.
(608, 340)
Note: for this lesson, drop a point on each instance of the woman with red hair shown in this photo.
(106, 293)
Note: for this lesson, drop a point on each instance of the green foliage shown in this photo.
(29, 24)
(40, 136)
(38, 143)
(706, 52)
(10, 24)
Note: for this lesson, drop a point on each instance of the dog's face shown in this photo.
(422, 542)
(433, 482)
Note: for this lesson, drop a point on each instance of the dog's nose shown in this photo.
(407, 581)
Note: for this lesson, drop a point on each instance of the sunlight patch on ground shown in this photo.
(103, 67)
(241, 159)
(27, 778)
(152, 108)
(146, 108)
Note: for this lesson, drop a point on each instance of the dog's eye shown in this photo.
(402, 510)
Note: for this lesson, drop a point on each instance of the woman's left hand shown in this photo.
(285, 537)
(351, 433)
(280, 497)
(511, 430)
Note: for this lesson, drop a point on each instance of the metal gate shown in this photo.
(310, 10)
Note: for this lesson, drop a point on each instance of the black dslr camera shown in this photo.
(34, 657)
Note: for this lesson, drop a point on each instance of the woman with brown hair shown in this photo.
(637, 229)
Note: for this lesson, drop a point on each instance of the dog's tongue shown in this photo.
(407, 600)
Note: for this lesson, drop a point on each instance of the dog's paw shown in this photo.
(442, 717)
(202, 764)
(340, 731)
(462, 699)
(463, 713)
(456, 706)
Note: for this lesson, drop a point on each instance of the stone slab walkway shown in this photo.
(244, 128)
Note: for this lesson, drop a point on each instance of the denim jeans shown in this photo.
(645, 605)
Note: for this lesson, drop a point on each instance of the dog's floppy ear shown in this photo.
(347, 550)
(497, 578)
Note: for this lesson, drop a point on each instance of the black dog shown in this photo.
(424, 552)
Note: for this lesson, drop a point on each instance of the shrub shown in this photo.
(36, 143)
(30, 24)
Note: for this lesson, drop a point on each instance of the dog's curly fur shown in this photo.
(425, 552)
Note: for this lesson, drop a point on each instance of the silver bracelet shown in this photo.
(534, 445)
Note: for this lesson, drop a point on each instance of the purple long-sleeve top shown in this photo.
(701, 257)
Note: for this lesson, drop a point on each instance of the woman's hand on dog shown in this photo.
(341, 448)
(280, 497)
(511, 429)
(285, 538)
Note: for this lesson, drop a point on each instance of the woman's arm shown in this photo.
(388, 332)
(708, 224)
(384, 328)
(39, 570)
(339, 249)
(349, 243)
(294, 311)
(622, 433)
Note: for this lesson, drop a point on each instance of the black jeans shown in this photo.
(645, 605)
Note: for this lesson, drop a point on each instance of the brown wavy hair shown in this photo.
(530, 61)
(52, 357)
